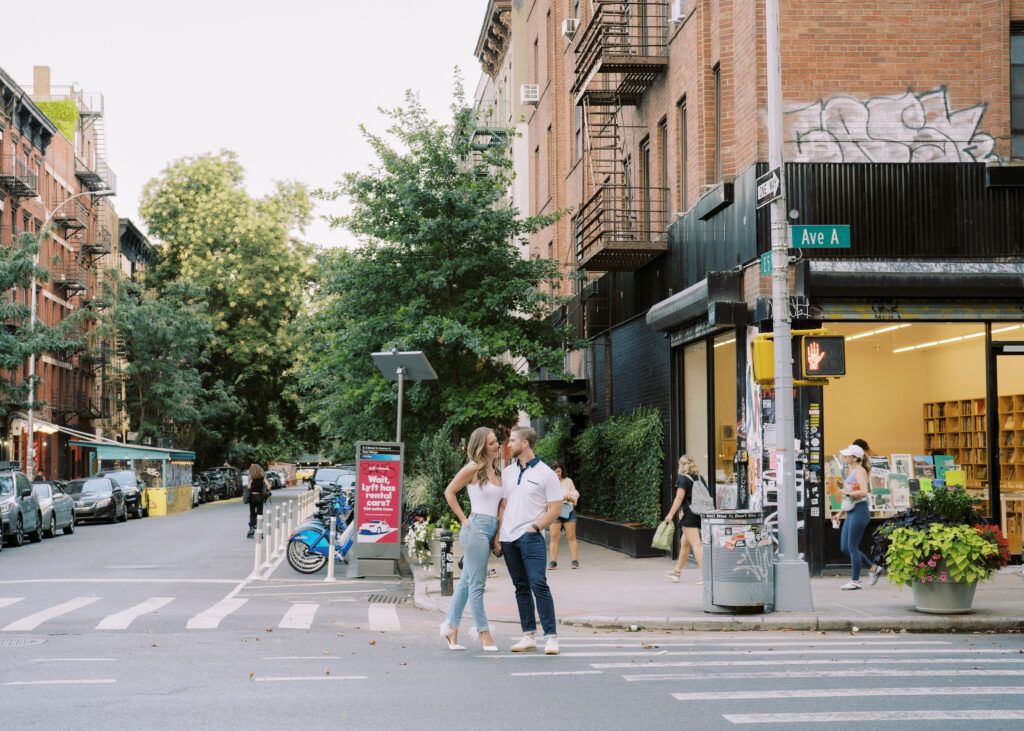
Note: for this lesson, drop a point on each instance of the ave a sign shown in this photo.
(820, 237)
(769, 187)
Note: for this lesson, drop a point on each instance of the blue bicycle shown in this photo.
(309, 545)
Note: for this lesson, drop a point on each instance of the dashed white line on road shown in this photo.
(309, 677)
(564, 672)
(850, 673)
(9, 600)
(34, 620)
(86, 681)
(802, 662)
(121, 620)
(73, 659)
(299, 616)
(383, 617)
(211, 618)
(831, 693)
(862, 716)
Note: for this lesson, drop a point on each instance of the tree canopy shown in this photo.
(441, 269)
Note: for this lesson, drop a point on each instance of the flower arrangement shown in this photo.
(417, 540)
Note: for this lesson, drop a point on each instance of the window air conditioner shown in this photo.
(529, 94)
(677, 13)
(569, 26)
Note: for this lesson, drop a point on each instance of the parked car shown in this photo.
(135, 496)
(205, 487)
(225, 482)
(98, 498)
(19, 507)
(58, 509)
(303, 474)
(324, 476)
(275, 480)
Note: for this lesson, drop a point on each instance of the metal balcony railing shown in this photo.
(621, 51)
(490, 123)
(72, 215)
(70, 275)
(621, 228)
(17, 178)
(97, 177)
(98, 242)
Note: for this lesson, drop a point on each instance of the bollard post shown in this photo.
(330, 549)
(447, 561)
(267, 539)
(277, 530)
(257, 542)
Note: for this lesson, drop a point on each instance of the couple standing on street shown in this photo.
(510, 511)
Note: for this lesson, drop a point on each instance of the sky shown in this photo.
(283, 84)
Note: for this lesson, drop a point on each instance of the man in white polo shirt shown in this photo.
(532, 501)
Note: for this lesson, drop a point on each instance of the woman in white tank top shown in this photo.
(482, 478)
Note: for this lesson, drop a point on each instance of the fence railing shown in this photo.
(17, 178)
(627, 226)
(622, 30)
(276, 525)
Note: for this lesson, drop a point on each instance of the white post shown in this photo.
(792, 577)
(258, 542)
(278, 532)
(330, 549)
(268, 540)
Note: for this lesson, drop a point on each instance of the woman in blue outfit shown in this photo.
(855, 505)
(482, 479)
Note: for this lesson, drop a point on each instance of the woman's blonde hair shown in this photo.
(687, 466)
(255, 472)
(476, 452)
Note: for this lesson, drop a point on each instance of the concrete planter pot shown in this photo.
(944, 597)
(631, 539)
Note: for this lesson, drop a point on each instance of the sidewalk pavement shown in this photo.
(612, 590)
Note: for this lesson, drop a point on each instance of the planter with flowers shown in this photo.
(941, 549)
(418, 538)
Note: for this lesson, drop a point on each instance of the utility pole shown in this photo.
(792, 577)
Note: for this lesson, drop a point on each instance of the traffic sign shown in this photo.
(820, 237)
(766, 264)
(769, 187)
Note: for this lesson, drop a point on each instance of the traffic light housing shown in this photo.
(822, 356)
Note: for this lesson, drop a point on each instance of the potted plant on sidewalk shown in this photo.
(941, 548)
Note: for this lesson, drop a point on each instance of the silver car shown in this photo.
(19, 509)
(57, 508)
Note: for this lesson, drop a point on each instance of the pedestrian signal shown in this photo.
(822, 356)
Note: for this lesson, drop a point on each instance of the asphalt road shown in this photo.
(153, 624)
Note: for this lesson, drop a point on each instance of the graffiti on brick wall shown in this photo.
(908, 127)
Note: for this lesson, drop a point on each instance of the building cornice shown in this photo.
(495, 35)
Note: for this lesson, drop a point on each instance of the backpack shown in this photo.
(700, 498)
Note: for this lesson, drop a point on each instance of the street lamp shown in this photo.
(30, 457)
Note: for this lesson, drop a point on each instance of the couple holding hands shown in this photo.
(510, 510)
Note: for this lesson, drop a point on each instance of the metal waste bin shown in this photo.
(738, 572)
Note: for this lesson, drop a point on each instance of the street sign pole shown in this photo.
(792, 577)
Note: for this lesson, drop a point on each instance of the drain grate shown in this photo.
(19, 641)
(386, 599)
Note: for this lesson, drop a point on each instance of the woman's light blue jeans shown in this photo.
(476, 541)
(849, 538)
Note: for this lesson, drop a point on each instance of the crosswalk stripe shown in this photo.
(310, 677)
(777, 653)
(737, 646)
(121, 620)
(299, 616)
(850, 673)
(862, 716)
(834, 661)
(34, 620)
(210, 618)
(9, 600)
(831, 693)
(86, 681)
(383, 617)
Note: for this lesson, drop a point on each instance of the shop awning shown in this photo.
(106, 450)
(921, 278)
(718, 298)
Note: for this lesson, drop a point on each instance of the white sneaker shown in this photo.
(850, 586)
(527, 644)
(551, 646)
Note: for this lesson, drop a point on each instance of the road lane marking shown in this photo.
(210, 618)
(800, 662)
(34, 620)
(88, 681)
(134, 580)
(309, 677)
(744, 646)
(862, 716)
(563, 672)
(9, 600)
(74, 659)
(383, 617)
(299, 616)
(866, 673)
(121, 620)
(831, 693)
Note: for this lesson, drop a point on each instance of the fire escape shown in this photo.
(622, 224)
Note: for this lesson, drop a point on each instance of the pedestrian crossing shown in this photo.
(748, 680)
(298, 615)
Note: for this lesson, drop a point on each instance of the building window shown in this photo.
(536, 180)
(645, 186)
(536, 61)
(663, 197)
(684, 173)
(550, 163)
(717, 74)
(1017, 90)
(577, 132)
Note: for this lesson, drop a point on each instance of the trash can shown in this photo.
(738, 572)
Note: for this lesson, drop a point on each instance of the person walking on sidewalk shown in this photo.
(689, 522)
(855, 505)
(570, 496)
(482, 480)
(258, 492)
(532, 501)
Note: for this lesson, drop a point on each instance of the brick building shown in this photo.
(55, 175)
(902, 121)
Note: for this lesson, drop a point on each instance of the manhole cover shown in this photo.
(19, 641)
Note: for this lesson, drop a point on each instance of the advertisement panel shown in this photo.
(378, 501)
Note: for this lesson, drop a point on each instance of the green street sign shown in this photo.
(821, 237)
(766, 264)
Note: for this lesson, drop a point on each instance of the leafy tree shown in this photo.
(239, 250)
(167, 337)
(440, 271)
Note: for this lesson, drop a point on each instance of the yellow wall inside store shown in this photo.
(880, 399)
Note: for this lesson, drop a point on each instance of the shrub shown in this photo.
(555, 444)
(437, 464)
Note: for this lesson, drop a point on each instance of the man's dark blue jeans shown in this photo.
(526, 558)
